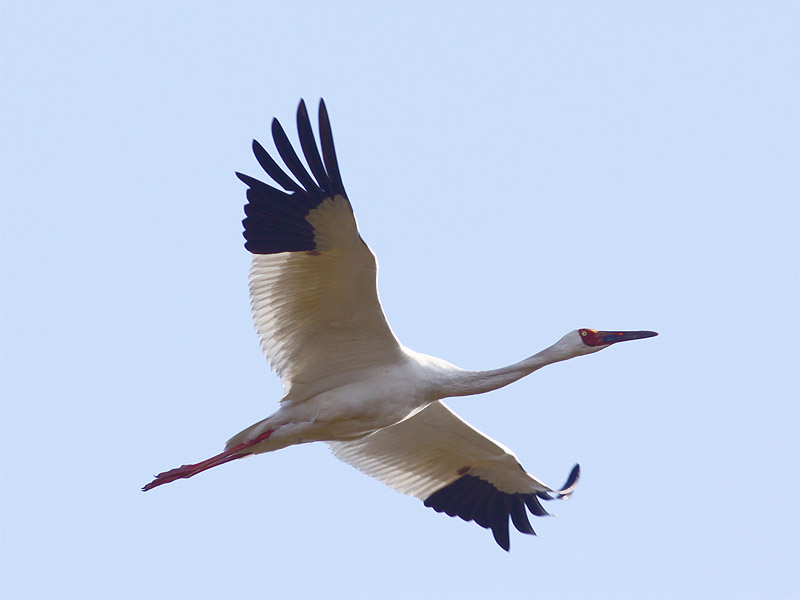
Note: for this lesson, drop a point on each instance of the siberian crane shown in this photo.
(348, 380)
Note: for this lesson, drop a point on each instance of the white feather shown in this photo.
(317, 313)
(432, 449)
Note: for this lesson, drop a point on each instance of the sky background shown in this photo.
(520, 170)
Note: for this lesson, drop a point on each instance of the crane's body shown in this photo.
(348, 380)
(378, 397)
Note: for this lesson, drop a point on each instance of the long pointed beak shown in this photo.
(612, 337)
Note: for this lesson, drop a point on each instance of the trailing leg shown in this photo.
(185, 471)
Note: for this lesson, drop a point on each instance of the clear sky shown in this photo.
(521, 170)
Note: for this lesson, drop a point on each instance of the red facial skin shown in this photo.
(590, 338)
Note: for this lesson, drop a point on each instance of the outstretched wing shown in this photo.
(313, 281)
(441, 459)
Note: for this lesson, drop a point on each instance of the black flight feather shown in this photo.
(273, 169)
(329, 151)
(276, 219)
(474, 499)
(310, 151)
(291, 159)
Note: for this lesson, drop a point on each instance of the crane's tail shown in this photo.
(231, 453)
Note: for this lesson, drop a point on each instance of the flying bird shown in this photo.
(348, 380)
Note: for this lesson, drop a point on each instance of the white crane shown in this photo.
(348, 379)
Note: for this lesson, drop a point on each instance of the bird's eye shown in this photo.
(583, 333)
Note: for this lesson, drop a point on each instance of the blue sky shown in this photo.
(521, 170)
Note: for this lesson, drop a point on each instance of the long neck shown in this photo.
(466, 383)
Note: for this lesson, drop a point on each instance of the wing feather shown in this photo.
(313, 280)
(438, 457)
(274, 170)
(293, 161)
(329, 151)
(309, 147)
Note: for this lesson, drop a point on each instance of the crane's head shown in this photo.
(585, 341)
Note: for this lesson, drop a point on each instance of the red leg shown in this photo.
(220, 459)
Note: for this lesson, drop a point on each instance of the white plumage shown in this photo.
(348, 380)
(420, 455)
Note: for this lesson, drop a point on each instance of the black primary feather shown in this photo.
(275, 219)
(474, 499)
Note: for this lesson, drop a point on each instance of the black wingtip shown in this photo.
(310, 149)
(474, 499)
(569, 487)
(329, 150)
(276, 218)
(302, 111)
(572, 480)
(292, 161)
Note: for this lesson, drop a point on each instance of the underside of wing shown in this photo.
(441, 459)
(313, 281)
